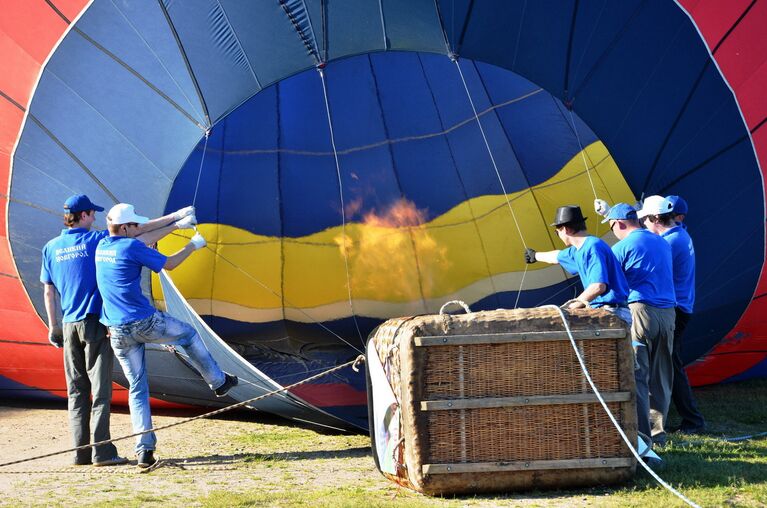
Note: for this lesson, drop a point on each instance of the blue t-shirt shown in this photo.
(595, 262)
(646, 260)
(683, 256)
(68, 265)
(119, 260)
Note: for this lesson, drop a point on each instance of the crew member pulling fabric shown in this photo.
(133, 322)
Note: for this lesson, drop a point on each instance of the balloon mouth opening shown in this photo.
(409, 161)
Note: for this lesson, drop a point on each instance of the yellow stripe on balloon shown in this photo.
(394, 257)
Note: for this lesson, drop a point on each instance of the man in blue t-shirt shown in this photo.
(604, 285)
(673, 231)
(68, 273)
(646, 260)
(133, 322)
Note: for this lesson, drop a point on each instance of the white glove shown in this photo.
(601, 207)
(198, 241)
(183, 212)
(187, 222)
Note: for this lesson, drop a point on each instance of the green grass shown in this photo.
(708, 469)
(277, 465)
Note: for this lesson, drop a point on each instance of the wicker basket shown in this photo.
(496, 401)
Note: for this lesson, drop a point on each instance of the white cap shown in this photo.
(655, 205)
(123, 213)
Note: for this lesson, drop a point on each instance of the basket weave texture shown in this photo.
(500, 446)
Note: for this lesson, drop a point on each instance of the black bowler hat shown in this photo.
(568, 214)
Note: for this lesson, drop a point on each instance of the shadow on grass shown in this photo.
(239, 458)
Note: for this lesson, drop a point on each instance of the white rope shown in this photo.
(609, 414)
(490, 153)
(343, 205)
(199, 171)
(585, 165)
(497, 173)
(583, 155)
(275, 293)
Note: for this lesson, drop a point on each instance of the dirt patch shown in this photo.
(198, 458)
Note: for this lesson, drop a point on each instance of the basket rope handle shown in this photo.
(456, 302)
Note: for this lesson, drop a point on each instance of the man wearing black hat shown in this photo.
(604, 285)
(69, 271)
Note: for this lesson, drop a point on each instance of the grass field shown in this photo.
(247, 460)
(708, 469)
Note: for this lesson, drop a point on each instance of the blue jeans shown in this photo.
(128, 344)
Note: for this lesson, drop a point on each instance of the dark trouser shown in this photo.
(681, 394)
(88, 362)
(653, 329)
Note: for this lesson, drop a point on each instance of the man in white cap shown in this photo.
(69, 272)
(664, 220)
(646, 260)
(133, 322)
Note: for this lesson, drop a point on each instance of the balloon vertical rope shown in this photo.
(343, 205)
(199, 171)
(585, 163)
(497, 173)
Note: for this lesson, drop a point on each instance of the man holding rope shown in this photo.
(69, 272)
(133, 322)
(604, 285)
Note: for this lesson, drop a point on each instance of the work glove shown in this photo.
(530, 256)
(601, 207)
(198, 241)
(183, 212)
(56, 336)
(187, 222)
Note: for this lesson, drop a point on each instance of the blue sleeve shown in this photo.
(45, 274)
(148, 257)
(619, 252)
(566, 258)
(595, 265)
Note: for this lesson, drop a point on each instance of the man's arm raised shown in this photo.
(197, 242)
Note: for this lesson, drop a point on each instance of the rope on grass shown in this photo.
(353, 363)
(610, 415)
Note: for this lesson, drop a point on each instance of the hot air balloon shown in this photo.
(354, 161)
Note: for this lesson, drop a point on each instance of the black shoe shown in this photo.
(229, 382)
(146, 459)
(81, 462)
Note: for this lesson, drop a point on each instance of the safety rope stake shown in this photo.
(353, 363)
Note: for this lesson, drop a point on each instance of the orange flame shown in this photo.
(393, 252)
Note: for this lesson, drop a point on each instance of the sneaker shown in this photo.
(146, 459)
(81, 462)
(229, 382)
(114, 461)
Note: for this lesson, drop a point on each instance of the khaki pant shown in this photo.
(88, 362)
(653, 329)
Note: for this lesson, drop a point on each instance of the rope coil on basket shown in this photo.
(461, 303)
